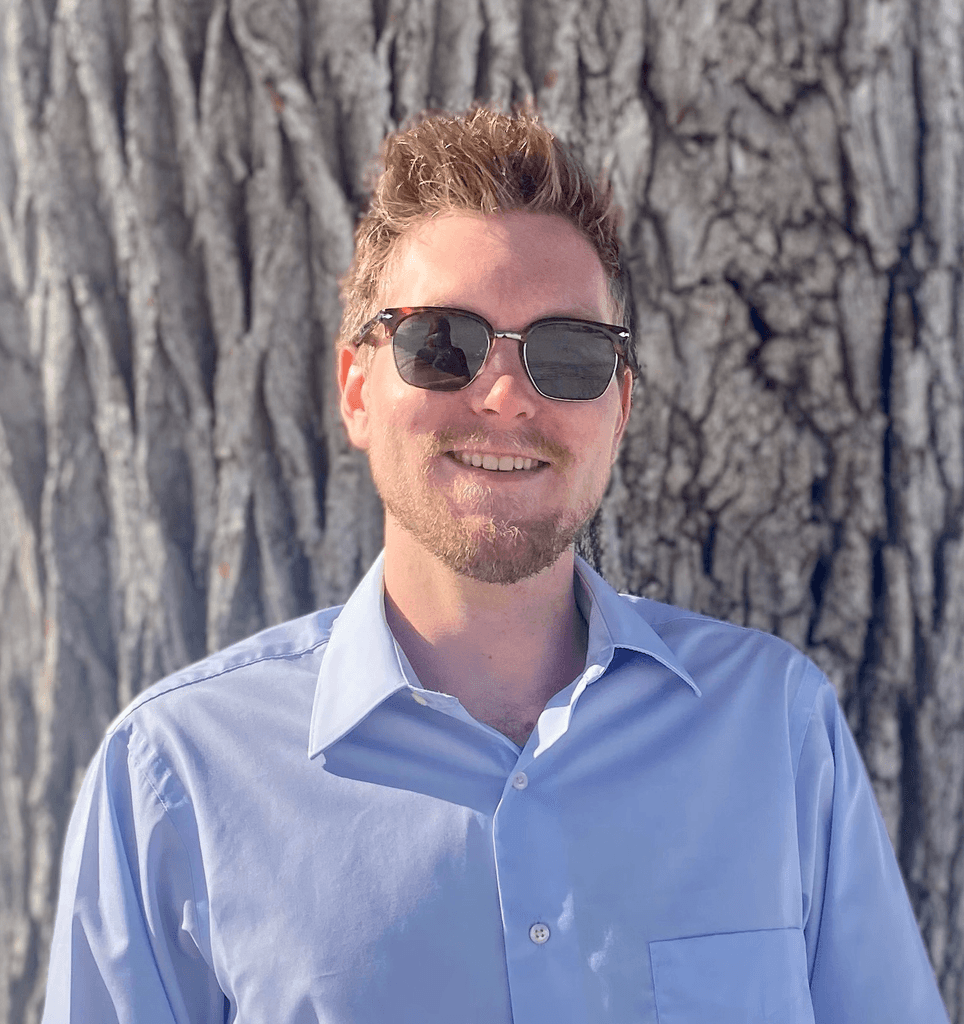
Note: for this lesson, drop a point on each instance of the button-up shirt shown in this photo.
(294, 830)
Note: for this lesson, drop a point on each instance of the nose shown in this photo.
(502, 387)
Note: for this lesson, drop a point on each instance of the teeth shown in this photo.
(503, 463)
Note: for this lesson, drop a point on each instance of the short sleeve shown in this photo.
(128, 943)
(866, 959)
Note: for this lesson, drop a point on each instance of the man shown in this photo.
(488, 789)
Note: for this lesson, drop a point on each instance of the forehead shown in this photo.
(513, 267)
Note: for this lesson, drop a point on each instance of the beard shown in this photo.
(473, 539)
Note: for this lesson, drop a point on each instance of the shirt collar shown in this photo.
(616, 621)
(360, 667)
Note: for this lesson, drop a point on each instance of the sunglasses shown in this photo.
(442, 349)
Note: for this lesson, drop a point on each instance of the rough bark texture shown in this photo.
(178, 186)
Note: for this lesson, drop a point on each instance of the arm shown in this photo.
(865, 955)
(130, 940)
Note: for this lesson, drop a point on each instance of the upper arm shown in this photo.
(129, 941)
(865, 954)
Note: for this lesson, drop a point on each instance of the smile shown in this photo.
(499, 463)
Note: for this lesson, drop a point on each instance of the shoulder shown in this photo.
(680, 628)
(724, 658)
(270, 665)
(194, 737)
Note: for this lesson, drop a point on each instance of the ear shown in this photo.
(625, 405)
(353, 395)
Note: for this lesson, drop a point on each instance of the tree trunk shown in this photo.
(178, 186)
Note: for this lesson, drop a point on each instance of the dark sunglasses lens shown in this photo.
(439, 351)
(570, 360)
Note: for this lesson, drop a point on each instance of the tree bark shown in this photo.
(179, 181)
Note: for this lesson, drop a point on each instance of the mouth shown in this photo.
(496, 463)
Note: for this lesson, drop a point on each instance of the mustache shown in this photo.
(525, 441)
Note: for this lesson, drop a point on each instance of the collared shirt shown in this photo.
(294, 831)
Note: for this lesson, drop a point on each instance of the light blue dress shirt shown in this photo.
(294, 831)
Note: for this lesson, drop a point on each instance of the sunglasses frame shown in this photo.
(391, 318)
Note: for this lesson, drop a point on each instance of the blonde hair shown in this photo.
(484, 162)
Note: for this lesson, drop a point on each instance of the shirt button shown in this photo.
(520, 780)
(418, 698)
(539, 933)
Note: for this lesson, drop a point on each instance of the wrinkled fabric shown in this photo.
(294, 831)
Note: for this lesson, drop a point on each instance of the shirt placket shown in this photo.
(543, 960)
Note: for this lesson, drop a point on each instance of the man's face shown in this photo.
(493, 525)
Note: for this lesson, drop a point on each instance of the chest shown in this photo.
(404, 877)
(516, 723)
(505, 713)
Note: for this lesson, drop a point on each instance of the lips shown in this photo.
(496, 462)
(523, 450)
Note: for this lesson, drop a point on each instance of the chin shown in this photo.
(481, 534)
(503, 553)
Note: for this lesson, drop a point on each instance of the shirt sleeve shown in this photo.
(129, 942)
(866, 959)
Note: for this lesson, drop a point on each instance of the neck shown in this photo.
(502, 650)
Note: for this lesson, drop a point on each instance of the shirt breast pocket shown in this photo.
(757, 977)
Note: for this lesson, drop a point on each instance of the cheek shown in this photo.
(599, 432)
(596, 445)
(401, 424)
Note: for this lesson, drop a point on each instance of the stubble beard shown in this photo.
(472, 541)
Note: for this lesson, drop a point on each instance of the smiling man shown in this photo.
(489, 788)
(490, 483)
